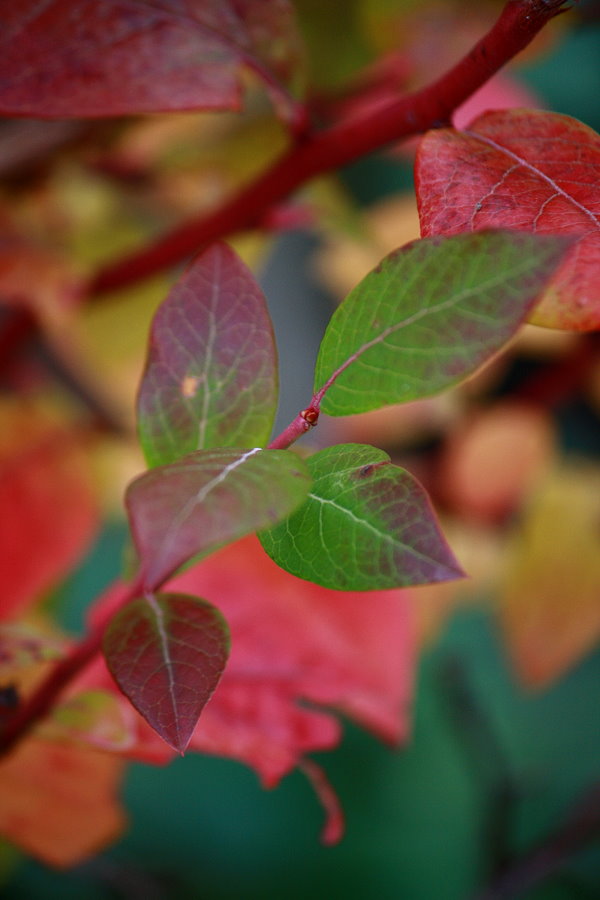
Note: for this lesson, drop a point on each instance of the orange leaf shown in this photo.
(58, 801)
(492, 462)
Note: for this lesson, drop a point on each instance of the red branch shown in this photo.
(344, 142)
(39, 704)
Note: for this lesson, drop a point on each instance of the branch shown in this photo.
(18, 724)
(548, 858)
(519, 22)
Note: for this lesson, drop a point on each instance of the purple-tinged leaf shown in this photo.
(84, 58)
(167, 653)
(211, 374)
(430, 314)
(366, 525)
(207, 499)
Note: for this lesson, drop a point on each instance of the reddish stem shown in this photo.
(44, 697)
(344, 142)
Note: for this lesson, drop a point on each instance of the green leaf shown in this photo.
(366, 525)
(211, 374)
(430, 314)
(167, 653)
(207, 499)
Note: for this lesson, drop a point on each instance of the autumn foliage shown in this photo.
(268, 592)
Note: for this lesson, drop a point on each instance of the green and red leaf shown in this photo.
(528, 170)
(207, 499)
(366, 525)
(211, 373)
(430, 314)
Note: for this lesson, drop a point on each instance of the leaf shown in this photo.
(366, 525)
(549, 600)
(207, 499)
(49, 511)
(59, 801)
(428, 315)
(72, 58)
(528, 170)
(211, 374)
(167, 653)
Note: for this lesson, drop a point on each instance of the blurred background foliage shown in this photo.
(506, 735)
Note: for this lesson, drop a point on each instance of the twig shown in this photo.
(518, 23)
(37, 706)
(549, 857)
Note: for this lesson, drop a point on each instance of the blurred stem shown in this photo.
(18, 725)
(318, 152)
(545, 860)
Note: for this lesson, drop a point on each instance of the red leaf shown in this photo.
(528, 170)
(67, 58)
(167, 653)
(49, 510)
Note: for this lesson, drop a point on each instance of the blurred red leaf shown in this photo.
(528, 170)
(58, 801)
(292, 642)
(71, 58)
(167, 653)
(49, 511)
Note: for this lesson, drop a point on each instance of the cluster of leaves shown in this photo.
(509, 216)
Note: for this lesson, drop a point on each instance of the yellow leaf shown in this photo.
(550, 608)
